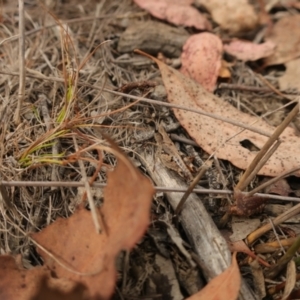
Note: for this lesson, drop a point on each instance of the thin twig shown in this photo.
(261, 163)
(282, 262)
(277, 236)
(269, 85)
(89, 194)
(232, 86)
(203, 169)
(273, 180)
(276, 221)
(147, 100)
(157, 188)
(17, 119)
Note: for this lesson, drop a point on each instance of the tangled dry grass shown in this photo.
(70, 64)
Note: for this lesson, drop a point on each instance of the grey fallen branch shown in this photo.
(210, 246)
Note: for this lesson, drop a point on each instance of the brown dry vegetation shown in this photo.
(77, 86)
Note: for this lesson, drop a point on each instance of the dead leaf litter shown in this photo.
(96, 111)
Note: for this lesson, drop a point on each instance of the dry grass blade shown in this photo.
(22, 70)
(250, 204)
(7, 201)
(278, 220)
(151, 101)
(271, 181)
(282, 262)
(202, 171)
(246, 178)
(95, 215)
(256, 166)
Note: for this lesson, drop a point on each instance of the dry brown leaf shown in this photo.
(178, 12)
(280, 187)
(201, 59)
(245, 50)
(285, 36)
(235, 16)
(75, 243)
(17, 283)
(290, 78)
(212, 135)
(224, 286)
(292, 3)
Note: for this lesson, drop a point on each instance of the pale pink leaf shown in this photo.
(178, 12)
(224, 286)
(290, 78)
(220, 137)
(245, 50)
(235, 16)
(287, 39)
(202, 59)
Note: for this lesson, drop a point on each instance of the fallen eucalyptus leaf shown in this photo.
(227, 141)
